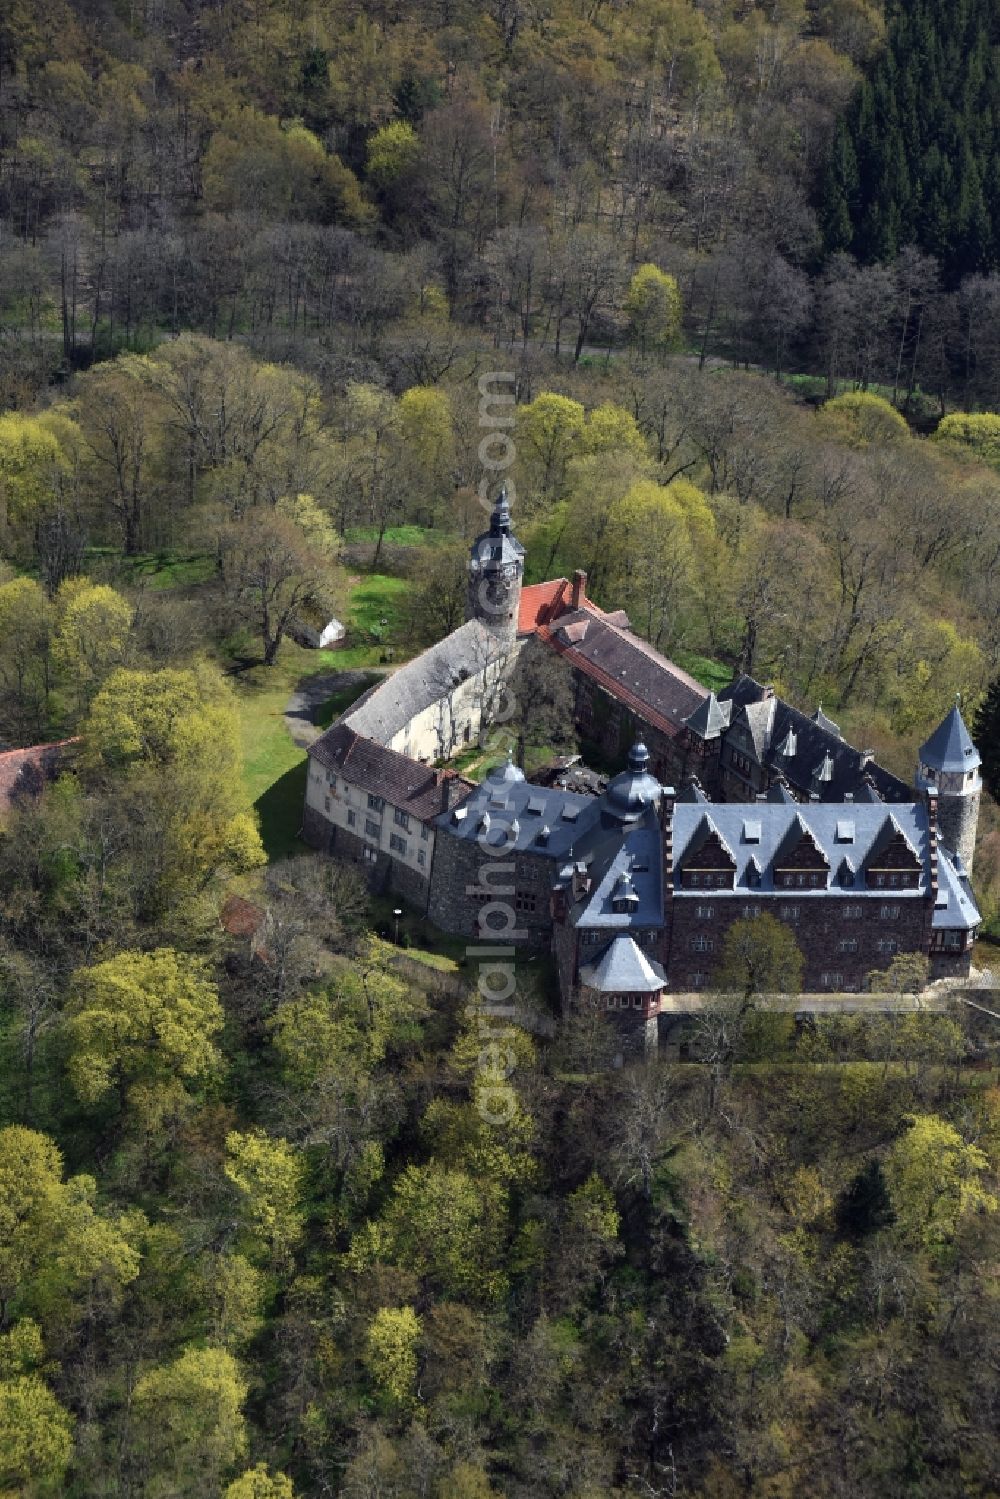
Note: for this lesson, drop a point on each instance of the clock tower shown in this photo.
(496, 571)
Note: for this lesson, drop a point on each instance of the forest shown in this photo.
(260, 264)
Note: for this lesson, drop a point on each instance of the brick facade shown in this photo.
(841, 940)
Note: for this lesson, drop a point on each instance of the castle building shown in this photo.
(949, 762)
(633, 890)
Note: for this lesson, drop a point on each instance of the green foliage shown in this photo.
(190, 1415)
(391, 1353)
(864, 1206)
(444, 1226)
(934, 1180)
(977, 433)
(92, 637)
(267, 1174)
(36, 1438)
(174, 733)
(391, 153)
(759, 956)
(57, 1250)
(140, 1021)
(258, 1483)
(908, 973)
(865, 418)
(986, 733)
(912, 163)
(653, 308)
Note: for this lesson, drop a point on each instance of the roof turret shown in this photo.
(505, 774)
(634, 789)
(950, 748)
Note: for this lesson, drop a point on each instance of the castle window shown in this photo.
(888, 913)
(423, 832)
(397, 844)
(701, 943)
(331, 780)
(751, 912)
(421, 857)
(375, 803)
(848, 944)
(326, 803)
(831, 980)
(352, 818)
(370, 855)
(888, 945)
(791, 913)
(697, 981)
(637, 1001)
(372, 828)
(525, 900)
(704, 913)
(853, 913)
(401, 819)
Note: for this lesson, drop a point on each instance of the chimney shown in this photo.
(451, 789)
(766, 692)
(867, 756)
(579, 588)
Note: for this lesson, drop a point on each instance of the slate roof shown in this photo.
(403, 782)
(656, 690)
(623, 968)
(774, 824)
(25, 772)
(386, 708)
(955, 907)
(710, 718)
(607, 854)
(498, 546)
(518, 811)
(950, 747)
(822, 762)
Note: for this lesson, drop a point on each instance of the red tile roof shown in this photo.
(24, 772)
(241, 918)
(540, 602)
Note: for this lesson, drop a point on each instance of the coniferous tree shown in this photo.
(986, 733)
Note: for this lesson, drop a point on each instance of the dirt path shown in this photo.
(312, 692)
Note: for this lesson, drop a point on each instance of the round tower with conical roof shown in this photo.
(950, 762)
(496, 571)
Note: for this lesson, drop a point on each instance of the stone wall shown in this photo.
(458, 893)
(614, 728)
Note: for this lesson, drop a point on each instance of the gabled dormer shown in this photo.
(707, 863)
(624, 897)
(892, 863)
(799, 862)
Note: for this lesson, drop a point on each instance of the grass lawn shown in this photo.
(342, 700)
(274, 768)
(376, 597)
(711, 674)
(403, 536)
(160, 570)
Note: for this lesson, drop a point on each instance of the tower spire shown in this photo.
(496, 570)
